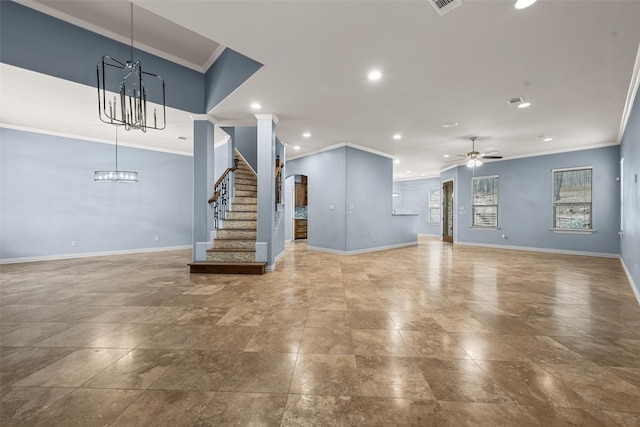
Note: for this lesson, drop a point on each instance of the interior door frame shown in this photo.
(444, 216)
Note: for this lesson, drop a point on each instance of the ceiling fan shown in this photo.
(475, 157)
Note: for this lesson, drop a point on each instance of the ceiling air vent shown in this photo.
(515, 101)
(444, 6)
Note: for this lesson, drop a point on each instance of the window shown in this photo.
(434, 206)
(485, 201)
(572, 199)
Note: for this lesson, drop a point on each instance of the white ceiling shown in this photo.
(573, 60)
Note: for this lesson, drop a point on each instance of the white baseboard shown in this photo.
(547, 250)
(278, 257)
(634, 285)
(90, 254)
(361, 251)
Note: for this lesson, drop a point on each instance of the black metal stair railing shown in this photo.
(221, 195)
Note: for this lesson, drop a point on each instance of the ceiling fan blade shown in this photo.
(461, 155)
(491, 157)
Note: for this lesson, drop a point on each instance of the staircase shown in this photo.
(233, 249)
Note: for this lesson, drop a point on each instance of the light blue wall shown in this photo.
(203, 180)
(49, 198)
(39, 42)
(413, 197)
(227, 73)
(525, 214)
(370, 223)
(221, 160)
(326, 186)
(246, 142)
(630, 150)
(345, 177)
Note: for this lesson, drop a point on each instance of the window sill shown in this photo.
(562, 231)
(484, 228)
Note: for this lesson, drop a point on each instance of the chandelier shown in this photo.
(123, 90)
(115, 175)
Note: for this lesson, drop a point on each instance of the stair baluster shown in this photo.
(221, 195)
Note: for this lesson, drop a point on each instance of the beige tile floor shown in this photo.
(427, 335)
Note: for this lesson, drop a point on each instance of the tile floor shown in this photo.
(427, 335)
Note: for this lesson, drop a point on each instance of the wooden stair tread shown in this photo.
(230, 250)
(236, 238)
(203, 267)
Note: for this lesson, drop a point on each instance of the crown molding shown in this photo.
(339, 145)
(110, 34)
(91, 139)
(267, 116)
(634, 85)
(214, 56)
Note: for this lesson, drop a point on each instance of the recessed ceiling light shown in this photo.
(524, 105)
(522, 4)
(256, 106)
(445, 156)
(424, 174)
(297, 147)
(306, 135)
(547, 139)
(374, 75)
(397, 136)
(544, 138)
(408, 171)
(450, 124)
(396, 161)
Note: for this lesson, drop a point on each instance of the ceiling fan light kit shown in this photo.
(474, 158)
(474, 163)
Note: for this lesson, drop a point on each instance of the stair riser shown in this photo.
(246, 187)
(242, 215)
(244, 193)
(231, 256)
(236, 234)
(246, 200)
(246, 182)
(234, 244)
(244, 208)
(243, 224)
(245, 175)
(226, 268)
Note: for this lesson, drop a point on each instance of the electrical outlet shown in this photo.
(74, 243)
(157, 238)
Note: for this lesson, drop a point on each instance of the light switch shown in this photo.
(332, 207)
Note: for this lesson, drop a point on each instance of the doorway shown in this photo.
(300, 202)
(447, 211)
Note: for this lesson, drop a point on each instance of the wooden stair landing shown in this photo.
(227, 267)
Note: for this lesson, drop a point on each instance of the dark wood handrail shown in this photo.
(219, 181)
(215, 197)
(223, 175)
